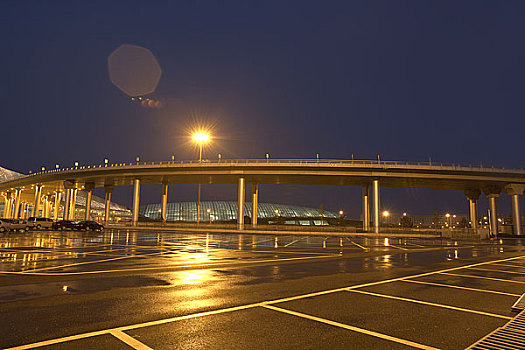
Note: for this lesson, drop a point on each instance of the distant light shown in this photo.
(447, 215)
(138, 159)
(208, 210)
(64, 288)
(267, 155)
(386, 213)
(76, 163)
(105, 161)
(57, 166)
(43, 168)
(404, 214)
(340, 212)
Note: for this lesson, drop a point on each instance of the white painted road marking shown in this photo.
(430, 304)
(460, 287)
(352, 328)
(482, 277)
(134, 343)
(495, 270)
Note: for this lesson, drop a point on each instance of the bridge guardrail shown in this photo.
(314, 162)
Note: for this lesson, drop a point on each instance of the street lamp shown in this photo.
(201, 138)
(209, 214)
(386, 214)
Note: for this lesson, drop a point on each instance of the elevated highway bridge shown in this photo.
(44, 189)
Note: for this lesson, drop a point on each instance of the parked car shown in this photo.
(89, 226)
(4, 225)
(15, 225)
(40, 223)
(64, 225)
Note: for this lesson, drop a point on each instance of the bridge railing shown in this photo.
(385, 164)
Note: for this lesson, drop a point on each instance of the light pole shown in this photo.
(200, 137)
(209, 214)
(386, 214)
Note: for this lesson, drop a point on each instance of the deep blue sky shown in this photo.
(406, 79)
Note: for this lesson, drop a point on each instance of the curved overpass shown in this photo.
(472, 180)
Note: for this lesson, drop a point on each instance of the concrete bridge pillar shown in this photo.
(473, 196)
(74, 192)
(36, 203)
(515, 191)
(136, 201)
(57, 205)
(164, 202)
(376, 204)
(492, 193)
(366, 208)
(108, 189)
(18, 194)
(5, 206)
(89, 186)
(255, 203)
(240, 195)
(67, 200)
(9, 212)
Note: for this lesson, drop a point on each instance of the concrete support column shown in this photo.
(45, 207)
(9, 205)
(473, 196)
(366, 209)
(493, 214)
(89, 186)
(108, 189)
(240, 195)
(492, 192)
(136, 200)
(516, 214)
(376, 204)
(25, 210)
(57, 205)
(164, 202)
(255, 203)
(515, 191)
(65, 215)
(6, 206)
(18, 194)
(36, 203)
(73, 203)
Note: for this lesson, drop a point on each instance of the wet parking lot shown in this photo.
(124, 289)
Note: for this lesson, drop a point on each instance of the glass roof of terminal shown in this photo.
(227, 210)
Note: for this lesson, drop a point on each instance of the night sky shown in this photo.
(408, 80)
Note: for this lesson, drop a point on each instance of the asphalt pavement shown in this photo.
(124, 289)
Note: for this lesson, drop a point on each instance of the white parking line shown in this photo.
(481, 277)
(430, 304)
(460, 287)
(247, 306)
(292, 242)
(495, 270)
(352, 328)
(360, 246)
(134, 343)
(509, 265)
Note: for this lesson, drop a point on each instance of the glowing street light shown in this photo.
(201, 138)
(386, 214)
